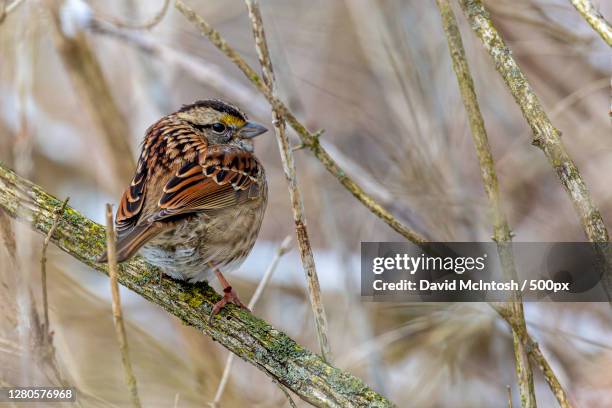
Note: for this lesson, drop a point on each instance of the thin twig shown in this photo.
(501, 230)
(309, 139)
(130, 379)
(595, 19)
(289, 399)
(147, 25)
(509, 390)
(43, 266)
(314, 289)
(282, 250)
(252, 339)
(535, 354)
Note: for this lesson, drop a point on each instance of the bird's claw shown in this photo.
(229, 296)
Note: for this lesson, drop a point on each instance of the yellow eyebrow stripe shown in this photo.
(232, 120)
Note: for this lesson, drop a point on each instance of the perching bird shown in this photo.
(198, 197)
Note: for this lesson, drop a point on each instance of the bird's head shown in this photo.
(221, 123)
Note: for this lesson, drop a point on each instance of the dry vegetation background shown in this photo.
(376, 75)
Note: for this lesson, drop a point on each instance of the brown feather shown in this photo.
(216, 177)
(197, 198)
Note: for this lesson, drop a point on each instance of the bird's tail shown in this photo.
(129, 242)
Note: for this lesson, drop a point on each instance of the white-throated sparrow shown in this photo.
(198, 197)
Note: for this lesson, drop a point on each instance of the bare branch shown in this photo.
(111, 244)
(247, 336)
(297, 205)
(43, 265)
(501, 230)
(535, 354)
(283, 248)
(595, 19)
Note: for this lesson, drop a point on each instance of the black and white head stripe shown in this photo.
(217, 105)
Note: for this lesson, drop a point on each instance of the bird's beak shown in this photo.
(251, 129)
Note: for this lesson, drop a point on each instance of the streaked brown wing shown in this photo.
(164, 141)
(222, 177)
(132, 201)
(129, 234)
(225, 176)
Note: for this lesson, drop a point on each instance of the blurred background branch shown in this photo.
(147, 25)
(93, 89)
(7, 8)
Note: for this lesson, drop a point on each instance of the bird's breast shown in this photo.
(223, 238)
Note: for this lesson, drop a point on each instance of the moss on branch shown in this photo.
(247, 336)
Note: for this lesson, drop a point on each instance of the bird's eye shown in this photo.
(218, 127)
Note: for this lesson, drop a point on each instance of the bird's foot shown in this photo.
(229, 296)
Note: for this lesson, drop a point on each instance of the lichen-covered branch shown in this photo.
(545, 135)
(595, 19)
(501, 230)
(297, 204)
(247, 336)
(309, 139)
